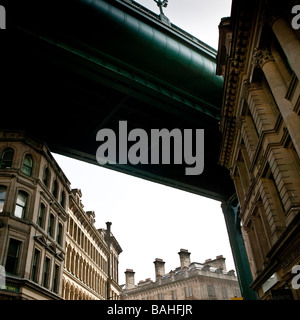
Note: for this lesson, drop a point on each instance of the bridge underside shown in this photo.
(62, 88)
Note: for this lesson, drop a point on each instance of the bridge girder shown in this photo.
(74, 67)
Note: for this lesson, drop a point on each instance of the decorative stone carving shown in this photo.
(261, 57)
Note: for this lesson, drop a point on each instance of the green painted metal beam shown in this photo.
(129, 75)
(149, 48)
(232, 221)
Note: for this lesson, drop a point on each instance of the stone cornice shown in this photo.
(236, 65)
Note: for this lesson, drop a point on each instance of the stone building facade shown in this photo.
(259, 58)
(33, 218)
(89, 253)
(190, 281)
(49, 246)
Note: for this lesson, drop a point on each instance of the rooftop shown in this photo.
(215, 268)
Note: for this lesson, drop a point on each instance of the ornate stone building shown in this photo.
(190, 281)
(49, 246)
(259, 58)
(34, 200)
(89, 253)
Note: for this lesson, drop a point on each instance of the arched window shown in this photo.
(63, 199)
(68, 258)
(2, 197)
(27, 165)
(71, 227)
(55, 188)
(41, 217)
(67, 292)
(51, 225)
(72, 292)
(46, 177)
(21, 204)
(59, 235)
(7, 158)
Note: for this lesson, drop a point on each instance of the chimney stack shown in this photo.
(159, 268)
(218, 263)
(108, 225)
(129, 274)
(91, 215)
(184, 256)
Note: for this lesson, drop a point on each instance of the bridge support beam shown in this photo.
(231, 211)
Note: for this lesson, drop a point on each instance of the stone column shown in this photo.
(289, 42)
(265, 61)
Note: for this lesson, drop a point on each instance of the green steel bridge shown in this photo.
(72, 67)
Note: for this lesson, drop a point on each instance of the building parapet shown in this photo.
(215, 269)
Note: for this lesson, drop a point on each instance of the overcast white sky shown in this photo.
(198, 17)
(150, 220)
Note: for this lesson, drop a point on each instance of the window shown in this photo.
(224, 293)
(59, 233)
(211, 291)
(56, 279)
(27, 165)
(2, 197)
(188, 292)
(160, 296)
(63, 199)
(35, 264)
(46, 272)
(55, 188)
(271, 177)
(71, 227)
(13, 254)
(21, 204)
(7, 158)
(236, 292)
(75, 232)
(51, 225)
(174, 295)
(268, 175)
(41, 216)
(46, 177)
